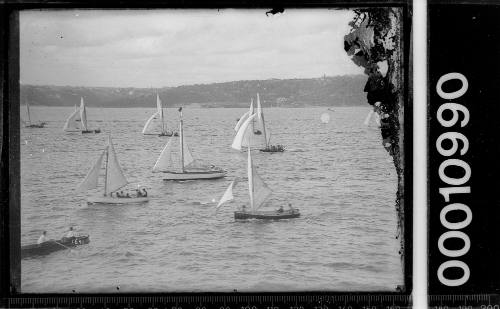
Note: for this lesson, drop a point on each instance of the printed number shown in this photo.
(454, 108)
(490, 306)
(454, 234)
(455, 225)
(452, 95)
(453, 264)
(202, 307)
(450, 180)
(453, 137)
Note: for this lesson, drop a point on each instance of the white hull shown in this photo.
(116, 200)
(193, 175)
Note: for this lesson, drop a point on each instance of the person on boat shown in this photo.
(144, 192)
(128, 195)
(138, 193)
(121, 194)
(281, 209)
(43, 238)
(244, 208)
(70, 233)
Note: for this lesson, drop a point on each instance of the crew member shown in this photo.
(43, 238)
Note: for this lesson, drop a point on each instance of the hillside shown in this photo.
(326, 91)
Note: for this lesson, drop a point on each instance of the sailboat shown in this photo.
(159, 114)
(113, 180)
(77, 121)
(245, 135)
(258, 192)
(30, 124)
(188, 168)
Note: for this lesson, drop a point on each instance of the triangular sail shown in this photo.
(147, 128)
(114, 174)
(369, 117)
(91, 180)
(260, 115)
(164, 161)
(260, 191)
(228, 195)
(243, 136)
(159, 107)
(188, 157)
(257, 188)
(72, 121)
(83, 115)
(242, 120)
(250, 179)
(28, 109)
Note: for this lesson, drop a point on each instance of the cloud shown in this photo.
(143, 48)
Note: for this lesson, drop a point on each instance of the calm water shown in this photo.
(336, 173)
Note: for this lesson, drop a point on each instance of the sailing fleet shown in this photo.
(181, 165)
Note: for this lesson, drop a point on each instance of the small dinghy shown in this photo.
(50, 246)
(114, 179)
(189, 168)
(77, 121)
(148, 127)
(259, 192)
(32, 125)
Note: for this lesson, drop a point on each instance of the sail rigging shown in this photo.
(242, 138)
(164, 161)
(242, 120)
(72, 121)
(257, 188)
(114, 174)
(28, 109)
(159, 114)
(91, 180)
(260, 115)
(83, 115)
(228, 195)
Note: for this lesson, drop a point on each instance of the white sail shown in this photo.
(147, 128)
(114, 174)
(28, 109)
(83, 115)
(90, 181)
(243, 135)
(228, 195)
(260, 115)
(257, 188)
(72, 121)
(260, 190)
(241, 121)
(188, 157)
(369, 117)
(250, 178)
(164, 161)
(159, 107)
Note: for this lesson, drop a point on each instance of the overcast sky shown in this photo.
(156, 48)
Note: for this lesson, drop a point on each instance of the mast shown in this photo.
(250, 179)
(160, 104)
(106, 173)
(181, 138)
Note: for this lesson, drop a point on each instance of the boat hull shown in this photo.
(194, 175)
(267, 215)
(52, 245)
(36, 125)
(91, 131)
(116, 200)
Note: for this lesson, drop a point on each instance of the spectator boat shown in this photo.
(52, 245)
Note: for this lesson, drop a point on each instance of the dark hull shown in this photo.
(169, 134)
(36, 125)
(267, 215)
(52, 245)
(91, 131)
(269, 150)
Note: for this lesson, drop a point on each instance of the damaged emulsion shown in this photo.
(374, 44)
